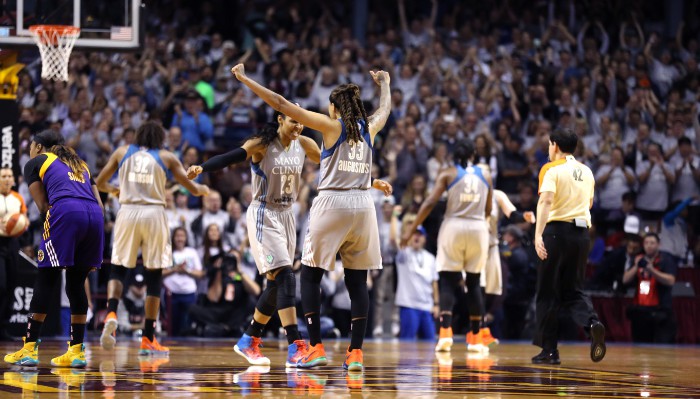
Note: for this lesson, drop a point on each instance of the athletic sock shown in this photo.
(149, 329)
(313, 322)
(445, 320)
(292, 332)
(33, 330)
(112, 305)
(475, 324)
(77, 333)
(255, 329)
(357, 333)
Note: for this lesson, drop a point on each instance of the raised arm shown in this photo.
(314, 120)
(379, 117)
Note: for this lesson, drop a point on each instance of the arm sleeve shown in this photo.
(670, 217)
(32, 168)
(221, 161)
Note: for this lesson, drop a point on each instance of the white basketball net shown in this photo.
(55, 45)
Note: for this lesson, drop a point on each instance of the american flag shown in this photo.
(121, 33)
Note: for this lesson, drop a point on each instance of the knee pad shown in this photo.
(476, 301)
(356, 283)
(75, 290)
(267, 303)
(473, 282)
(312, 275)
(118, 273)
(47, 283)
(311, 289)
(286, 288)
(448, 283)
(355, 277)
(153, 279)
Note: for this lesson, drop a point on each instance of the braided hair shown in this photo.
(346, 99)
(464, 152)
(68, 156)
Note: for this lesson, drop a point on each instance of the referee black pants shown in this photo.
(560, 282)
(8, 267)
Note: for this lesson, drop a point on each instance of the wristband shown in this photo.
(516, 217)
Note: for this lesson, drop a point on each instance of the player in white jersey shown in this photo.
(462, 241)
(491, 277)
(277, 152)
(342, 217)
(141, 224)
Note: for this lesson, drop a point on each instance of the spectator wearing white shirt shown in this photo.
(656, 178)
(181, 280)
(416, 292)
(211, 214)
(687, 185)
(613, 180)
(177, 212)
(437, 162)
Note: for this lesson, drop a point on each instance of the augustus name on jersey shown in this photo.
(347, 166)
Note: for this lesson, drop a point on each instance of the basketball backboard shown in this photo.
(105, 24)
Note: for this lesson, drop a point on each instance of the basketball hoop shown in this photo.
(55, 45)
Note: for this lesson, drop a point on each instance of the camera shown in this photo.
(229, 263)
(643, 263)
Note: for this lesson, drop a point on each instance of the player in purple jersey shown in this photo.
(61, 186)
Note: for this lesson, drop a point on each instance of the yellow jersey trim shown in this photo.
(50, 158)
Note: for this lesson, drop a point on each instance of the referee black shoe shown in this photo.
(547, 357)
(597, 341)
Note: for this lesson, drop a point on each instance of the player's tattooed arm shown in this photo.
(379, 117)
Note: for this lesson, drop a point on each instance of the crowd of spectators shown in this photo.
(503, 73)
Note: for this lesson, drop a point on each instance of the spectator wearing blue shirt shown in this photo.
(195, 125)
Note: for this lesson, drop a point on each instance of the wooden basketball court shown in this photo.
(198, 369)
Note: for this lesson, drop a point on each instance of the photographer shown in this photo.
(654, 274)
(229, 298)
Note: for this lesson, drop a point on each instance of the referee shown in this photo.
(562, 243)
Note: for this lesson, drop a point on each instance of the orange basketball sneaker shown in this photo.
(315, 356)
(445, 342)
(109, 332)
(489, 340)
(475, 343)
(149, 347)
(353, 360)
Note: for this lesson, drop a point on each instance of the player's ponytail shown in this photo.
(68, 156)
(346, 99)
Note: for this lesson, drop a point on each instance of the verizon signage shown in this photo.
(9, 153)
